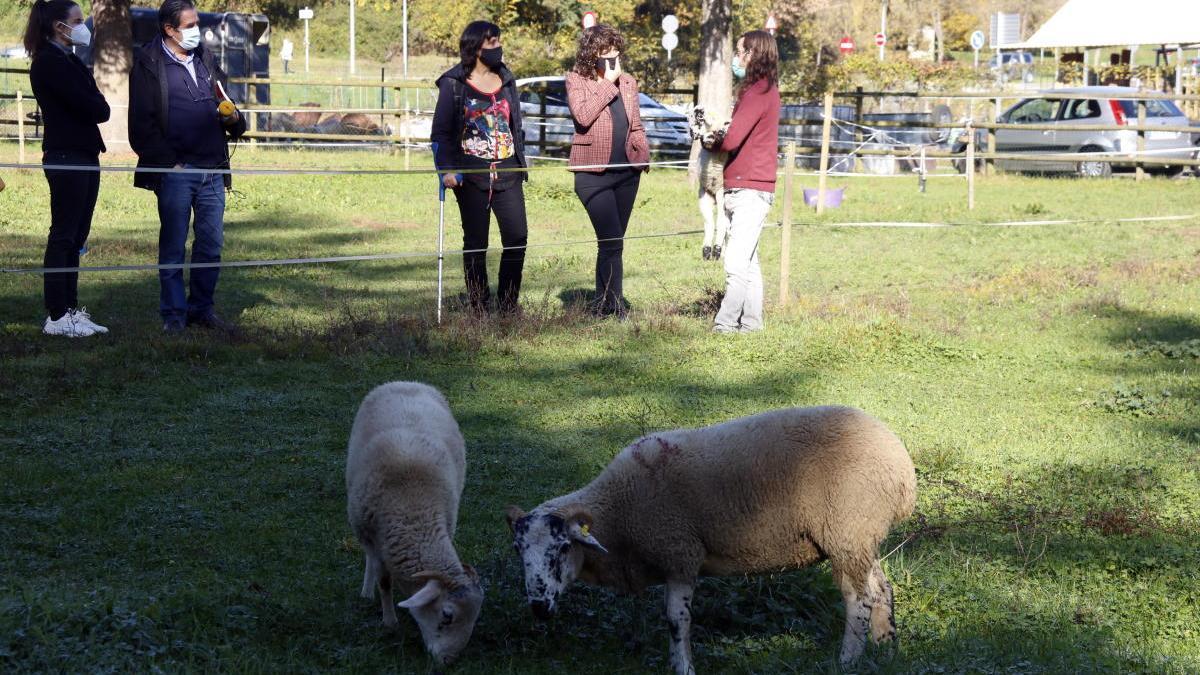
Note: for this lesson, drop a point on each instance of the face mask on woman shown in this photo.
(190, 38)
(492, 58)
(80, 35)
(739, 71)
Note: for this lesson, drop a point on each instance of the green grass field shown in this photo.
(177, 504)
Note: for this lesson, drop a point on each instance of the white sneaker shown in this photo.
(82, 316)
(67, 325)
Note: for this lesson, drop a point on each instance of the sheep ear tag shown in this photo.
(582, 534)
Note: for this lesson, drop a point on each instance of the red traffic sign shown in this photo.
(880, 39)
(846, 45)
(589, 19)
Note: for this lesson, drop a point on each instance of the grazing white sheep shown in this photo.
(709, 177)
(404, 477)
(779, 490)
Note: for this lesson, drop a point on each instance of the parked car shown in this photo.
(1118, 108)
(1013, 65)
(666, 130)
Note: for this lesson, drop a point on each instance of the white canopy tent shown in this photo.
(1118, 23)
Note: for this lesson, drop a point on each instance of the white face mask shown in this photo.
(191, 38)
(80, 35)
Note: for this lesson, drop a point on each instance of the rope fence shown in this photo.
(884, 140)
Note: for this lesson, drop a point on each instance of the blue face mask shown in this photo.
(739, 71)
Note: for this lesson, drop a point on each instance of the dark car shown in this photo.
(666, 130)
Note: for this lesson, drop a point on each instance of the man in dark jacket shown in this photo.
(174, 122)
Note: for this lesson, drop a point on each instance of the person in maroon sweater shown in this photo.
(752, 141)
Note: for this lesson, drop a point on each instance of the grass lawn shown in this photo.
(178, 504)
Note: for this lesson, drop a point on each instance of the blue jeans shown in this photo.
(179, 196)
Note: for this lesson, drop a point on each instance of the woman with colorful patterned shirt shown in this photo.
(477, 128)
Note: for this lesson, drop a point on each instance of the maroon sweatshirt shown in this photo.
(753, 139)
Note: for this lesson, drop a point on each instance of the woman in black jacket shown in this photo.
(477, 125)
(72, 108)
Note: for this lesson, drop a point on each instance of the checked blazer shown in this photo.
(588, 100)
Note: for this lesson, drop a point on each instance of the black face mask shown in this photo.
(492, 58)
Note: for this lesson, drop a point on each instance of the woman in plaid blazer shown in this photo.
(609, 152)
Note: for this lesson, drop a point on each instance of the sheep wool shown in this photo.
(405, 471)
(771, 492)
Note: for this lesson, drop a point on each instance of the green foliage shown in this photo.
(899, 74)
(1187, 349)
(957, 29)
(1131, 399)
(1070, 73)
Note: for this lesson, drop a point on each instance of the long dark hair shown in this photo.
(473, 36)
(594, 42)
(43, 17)
(764, 64)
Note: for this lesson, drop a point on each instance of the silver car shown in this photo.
(1117, 109)
(548, 125)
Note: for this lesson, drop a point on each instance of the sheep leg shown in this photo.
(883, 619)
(385, 594)
(370, 576)
(722, 220)
(707, 203)
(679, 621)
(858, 610)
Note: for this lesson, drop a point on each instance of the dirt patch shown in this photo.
(1121, 520)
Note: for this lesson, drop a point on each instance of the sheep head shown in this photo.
(446, 611)
(551, 545)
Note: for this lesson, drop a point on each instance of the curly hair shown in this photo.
(764, 64)
(594, 42)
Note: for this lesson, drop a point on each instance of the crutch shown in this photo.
(441, 229)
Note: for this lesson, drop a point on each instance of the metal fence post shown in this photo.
(785, 244)
(990, 165)
(858, 126)
(826, 124)
(1141, 139)
(20, 128)
(970, 165)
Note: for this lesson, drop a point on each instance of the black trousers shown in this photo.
(476, 209)
(72, 201)
(608, 198)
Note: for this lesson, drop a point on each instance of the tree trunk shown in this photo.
(715, 86)
(112, 60)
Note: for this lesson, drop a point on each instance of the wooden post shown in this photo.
(826, 123)
(20, 128)
(970, 165)
(990, 166)
(542, 126)
(785, 245)
(252, 96)
(1141, 139)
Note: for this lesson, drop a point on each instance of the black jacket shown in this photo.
(448, 117)
(72, 106)
(148, 111)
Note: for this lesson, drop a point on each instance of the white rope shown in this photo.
(576, 242)
(314, 172)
